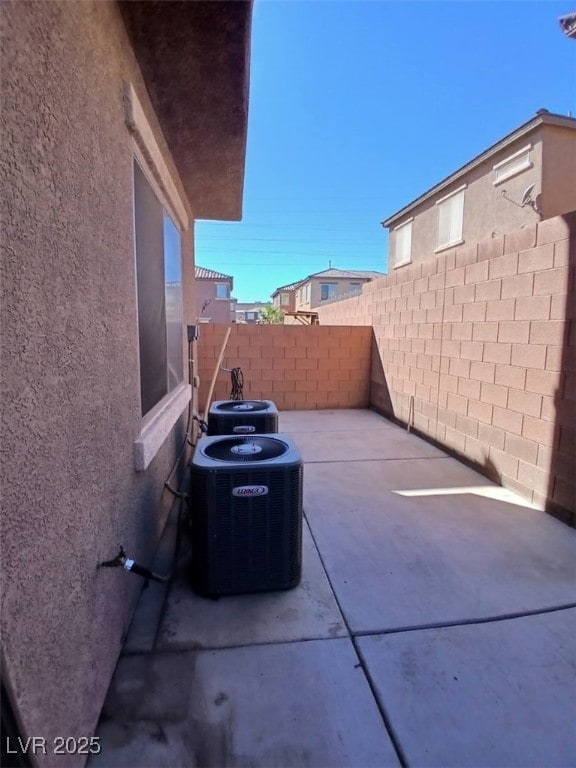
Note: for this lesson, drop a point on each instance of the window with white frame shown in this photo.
(308, 292)
(355, 287)
(403, 244)
(450, 218)
(159, 286)
(514, 164)
(222, 291)
(284, 299)
(327, 291)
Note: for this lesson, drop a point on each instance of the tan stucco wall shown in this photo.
(486, 212)
(218, 310)
(559, 172)
(290, 306)
(70, 363)
(344, 288)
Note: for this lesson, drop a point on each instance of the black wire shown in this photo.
(237, 377)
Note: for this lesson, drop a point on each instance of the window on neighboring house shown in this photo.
(355, 287)
(403, 244)
(222, 291)
(308, 292)
(284, 299)
(159, 285)
(327, 291)
(516, 163)
(450, 217)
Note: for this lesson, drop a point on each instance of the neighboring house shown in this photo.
(247, 312)
(213, 296)
(284, 298)
(526, 176)
(122, 122)
(330, 284)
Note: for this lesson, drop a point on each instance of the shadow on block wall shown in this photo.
(561, 496)
(379, 392)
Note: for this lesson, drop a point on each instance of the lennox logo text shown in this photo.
(250, 490)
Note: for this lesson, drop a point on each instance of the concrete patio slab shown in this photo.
(332, 420)
(398, 562)
(293, 705)
(362, 445)
(308, 611)
(501, 694)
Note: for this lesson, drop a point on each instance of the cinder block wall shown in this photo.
(479, 344)
(304, 367)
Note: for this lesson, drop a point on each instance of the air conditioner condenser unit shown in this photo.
(242, 417)
(246, 514)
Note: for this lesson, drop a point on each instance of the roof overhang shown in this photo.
(542, 117)
(194, 58)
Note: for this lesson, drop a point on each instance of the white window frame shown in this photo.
(308, 294)
(227, 289)
(406, 226)
(512, 160)
(284, 299)
(158, 423)
(458, 240)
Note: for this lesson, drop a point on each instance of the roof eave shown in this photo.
(194, 58)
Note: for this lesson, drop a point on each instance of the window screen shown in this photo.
(327, 291)
(159, 288)
(450, 215)
(403, 244)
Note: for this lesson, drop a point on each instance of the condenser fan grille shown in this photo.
(242, 406)
(246, 449)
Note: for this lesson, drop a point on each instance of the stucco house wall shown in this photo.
(289, 304)
(70, 356)
(345, 285)
(559, 172)
(217, 310)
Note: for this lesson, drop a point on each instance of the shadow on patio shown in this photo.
(434, 626)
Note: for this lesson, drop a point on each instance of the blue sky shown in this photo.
(357, 107)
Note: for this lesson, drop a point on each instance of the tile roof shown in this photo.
(201, 273)
(364, 274)
(289, 287)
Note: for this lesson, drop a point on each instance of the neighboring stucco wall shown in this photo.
(305, 367)
(218, 310)
(290, 306)
(482, 341)
(559, 172)
(486, 212)
(70, 363)
(344, 288)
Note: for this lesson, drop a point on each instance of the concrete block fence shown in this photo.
(477, 348)
(298, 367)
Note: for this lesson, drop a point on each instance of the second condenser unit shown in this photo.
(242, 417)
